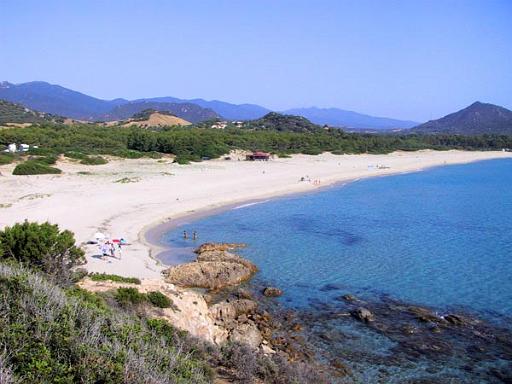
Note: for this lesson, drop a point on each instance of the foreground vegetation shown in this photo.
(277, 135)
(52, 331)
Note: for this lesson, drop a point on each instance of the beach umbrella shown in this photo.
(99, 236)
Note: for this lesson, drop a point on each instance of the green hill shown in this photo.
(283, 123)
(16, 113)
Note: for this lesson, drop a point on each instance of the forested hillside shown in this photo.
(15, 113)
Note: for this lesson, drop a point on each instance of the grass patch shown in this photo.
(158, 299)
(93, 160)
(6, 205)
(84, 173)
(34, 167)
(114, 278)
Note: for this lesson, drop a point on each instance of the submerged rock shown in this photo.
(348, 298)
(272, 292)
(363, 314)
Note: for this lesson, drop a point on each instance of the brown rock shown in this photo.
(244, 306)
(272, 292)
(211, 275)
(348, 298)
(218, 247)
(223, 312)
(363, 314)
(455, 320)
(424, 315)
(248, 334)
(341, 368)
(296, 327)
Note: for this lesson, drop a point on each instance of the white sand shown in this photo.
(86, 204)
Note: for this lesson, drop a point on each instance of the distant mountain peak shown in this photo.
(477, 118)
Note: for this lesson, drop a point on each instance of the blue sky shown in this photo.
(406, 59)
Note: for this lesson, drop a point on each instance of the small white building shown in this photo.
(11, 148)
(24, 147)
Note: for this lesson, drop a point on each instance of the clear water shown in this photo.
(441, 238)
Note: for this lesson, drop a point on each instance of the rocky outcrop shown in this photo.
(189, 311)
(218, 247)
(215, 268)
(272, 292)
(247, 333)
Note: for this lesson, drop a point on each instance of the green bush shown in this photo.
(42, 151)
(75, 155)
(48, 160)
(128, 154)
(42, 247)
(115, 278)
(129, 296)
(158, 299)
(6, 158)
(34, 167)
(93, 160)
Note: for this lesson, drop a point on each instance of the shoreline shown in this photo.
(139, 199)
(151, 234)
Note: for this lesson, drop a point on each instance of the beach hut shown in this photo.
(258, 155)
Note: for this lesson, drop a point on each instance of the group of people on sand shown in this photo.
(308, 179)
(112, 248)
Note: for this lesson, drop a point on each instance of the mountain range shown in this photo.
(478, 118)
(50, 98)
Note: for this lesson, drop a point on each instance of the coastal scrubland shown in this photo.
(52, 331)
(276, 134)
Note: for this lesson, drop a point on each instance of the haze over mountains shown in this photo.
(58, 100)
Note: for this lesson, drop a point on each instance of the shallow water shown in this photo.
(440, 238)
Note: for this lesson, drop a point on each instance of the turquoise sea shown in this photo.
(440, 238)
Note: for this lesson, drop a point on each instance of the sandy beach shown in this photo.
(126, 198)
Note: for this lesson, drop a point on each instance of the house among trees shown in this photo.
(258, 155)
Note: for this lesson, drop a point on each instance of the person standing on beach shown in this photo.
(194, 236)
(185, 236)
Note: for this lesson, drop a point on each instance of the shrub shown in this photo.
(6, 158)
(115, 278)
(158, 299)
(42, 247)
(128, 154)
(41, 151)
(75, 155)
(129, 296)
(93, 160)
(33, 167)
(48, 160)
